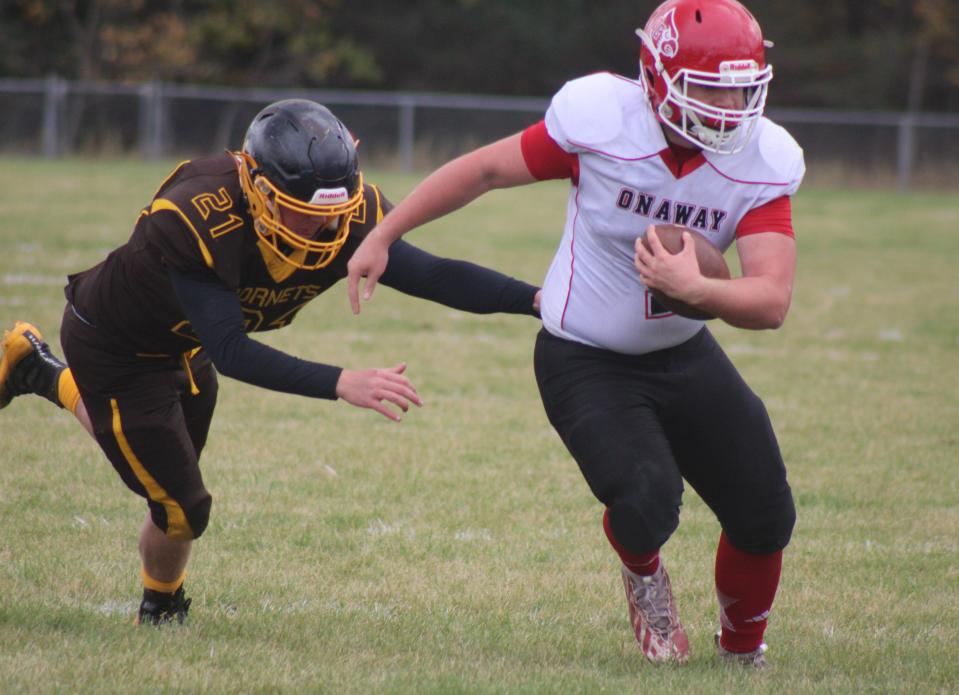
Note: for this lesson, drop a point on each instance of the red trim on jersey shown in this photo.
(572, 261)
(544, 158)
(682, 161)
(774, 216)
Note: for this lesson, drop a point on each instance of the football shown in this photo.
(711, 265)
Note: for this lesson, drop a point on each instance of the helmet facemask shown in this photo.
(330, 206)
(710, 127)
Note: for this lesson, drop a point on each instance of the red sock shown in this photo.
(745, 586)
(643, 565)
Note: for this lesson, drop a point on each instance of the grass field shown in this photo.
(460, 551)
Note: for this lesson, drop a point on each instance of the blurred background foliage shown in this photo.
(848, 54)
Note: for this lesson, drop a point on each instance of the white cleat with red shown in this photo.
(652, 612)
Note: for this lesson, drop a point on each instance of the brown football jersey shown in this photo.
(198, 222)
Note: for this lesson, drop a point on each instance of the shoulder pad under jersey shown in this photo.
(200, 211)
(770, 157)
(604, 113)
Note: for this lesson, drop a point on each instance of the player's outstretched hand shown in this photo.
(375, 388)
(369, 261)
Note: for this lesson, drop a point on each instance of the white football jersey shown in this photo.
(592, 293)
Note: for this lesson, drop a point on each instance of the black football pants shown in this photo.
(147, 422)
(638, 425)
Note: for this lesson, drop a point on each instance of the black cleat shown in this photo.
(158, 608)
(28, 366)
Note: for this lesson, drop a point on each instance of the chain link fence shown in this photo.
(418, 131)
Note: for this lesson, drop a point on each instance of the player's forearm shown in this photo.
(756, 302)
(257, 364)
(457, 284)
(216, 317)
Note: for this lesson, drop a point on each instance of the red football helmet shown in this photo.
(712, 44)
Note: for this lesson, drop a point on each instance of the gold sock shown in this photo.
(163, 587)
(67, 391)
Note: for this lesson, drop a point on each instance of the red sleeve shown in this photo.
(544, 158)
(774, 216)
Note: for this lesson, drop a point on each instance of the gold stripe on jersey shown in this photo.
(177, 526)
(379, 204)
(173, 173)
(164, 204)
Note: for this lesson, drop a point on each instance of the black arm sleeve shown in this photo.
(216, 316)
(457, 284)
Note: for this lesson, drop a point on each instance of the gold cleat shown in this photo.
(27, 365)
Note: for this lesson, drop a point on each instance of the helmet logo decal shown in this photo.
(737, 70)
(665, 36)
(330, 196)
(737, 65)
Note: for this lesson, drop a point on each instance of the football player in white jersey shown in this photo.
(642, 398)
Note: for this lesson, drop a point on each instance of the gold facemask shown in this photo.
(267, 202)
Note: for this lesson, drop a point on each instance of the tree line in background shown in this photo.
(849, 54)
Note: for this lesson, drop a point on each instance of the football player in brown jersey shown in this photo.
(230, 244)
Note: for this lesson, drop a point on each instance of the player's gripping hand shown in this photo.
(676, 275)
(376, 388)
(368, 261)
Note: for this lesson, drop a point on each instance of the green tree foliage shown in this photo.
(244, 42)
(518, 47)
(284, 42)
(870, 54)
(864, 54)
(939, 32)
(96, 39)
